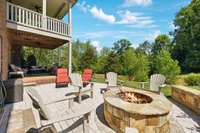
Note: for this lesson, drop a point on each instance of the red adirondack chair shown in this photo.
(87, 76)
(62, 77)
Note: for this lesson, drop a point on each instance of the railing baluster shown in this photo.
(11, 10)
(33, 19)
(19, 15)
(26, 13)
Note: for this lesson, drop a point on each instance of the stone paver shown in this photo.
(189, 121)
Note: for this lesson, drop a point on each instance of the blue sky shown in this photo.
(106, 21)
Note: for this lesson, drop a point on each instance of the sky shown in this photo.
(103, 22)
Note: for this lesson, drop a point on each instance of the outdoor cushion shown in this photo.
(50, 94)
(39, 102)
(87, 75)
(62, 76)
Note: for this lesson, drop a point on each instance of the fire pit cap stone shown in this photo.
(158, 106)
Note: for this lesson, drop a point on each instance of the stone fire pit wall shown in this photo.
(187, 96)
(147, 118)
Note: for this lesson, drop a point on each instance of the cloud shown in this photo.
(83, 6)
(101, 15)
(97, 45)
(172, 26)
(152, 36)
(128, 3)
(135, 19)
(96, 12)
(125, 17)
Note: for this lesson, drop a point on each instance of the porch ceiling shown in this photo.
(55, 8)
(34, 40)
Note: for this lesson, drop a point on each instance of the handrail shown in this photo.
(29, 18)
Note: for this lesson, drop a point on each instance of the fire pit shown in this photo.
(134, 97)
(146, 111)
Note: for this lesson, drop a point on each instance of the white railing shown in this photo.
(26, 17)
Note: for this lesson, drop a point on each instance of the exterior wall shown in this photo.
(188, 97)
(5, 41)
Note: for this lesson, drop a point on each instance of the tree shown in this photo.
(121, 46)
(161, 42)
(88, 56)
(164, 64)
(113, 63)
(141, 67)
(144, 47)
(187, 37)
(102, 60)
(129, 61)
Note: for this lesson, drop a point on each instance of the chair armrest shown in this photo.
(163, 85)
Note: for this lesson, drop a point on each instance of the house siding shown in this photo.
(5, 44)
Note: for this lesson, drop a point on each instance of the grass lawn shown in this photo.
(133, 84)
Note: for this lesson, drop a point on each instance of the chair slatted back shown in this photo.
(156, 81)
(111, 78)
(3, 94)
(76, 79)
(87, 75)
(62, 75)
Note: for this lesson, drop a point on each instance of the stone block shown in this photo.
(118, 113)
(138, 123)
(150, 129)
(153, 121)
(109, 108)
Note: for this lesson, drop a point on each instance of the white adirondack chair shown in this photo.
(156, 82)
(55, 113)
(77, 83)
(112, 81)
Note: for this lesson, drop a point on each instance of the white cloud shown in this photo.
(84, 7)
(97, 13)
(128, 3)
(126, 17)
(101, 15)
(151, 37)
(172, 26)
(97, 45)
(135, 19)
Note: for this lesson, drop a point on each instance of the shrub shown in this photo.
(164, 64)
(193, 80)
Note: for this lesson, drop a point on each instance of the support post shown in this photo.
(44, 14)
(70, 42)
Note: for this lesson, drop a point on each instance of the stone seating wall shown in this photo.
(188, 97)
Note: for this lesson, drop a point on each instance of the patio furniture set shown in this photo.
(52, 109)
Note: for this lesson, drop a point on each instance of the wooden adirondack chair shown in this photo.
(156, 82)
(77, 83)
(112, 81)
(56, 112)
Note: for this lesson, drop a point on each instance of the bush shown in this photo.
(193, 80)
(164, 64)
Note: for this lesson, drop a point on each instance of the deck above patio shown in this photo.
(28, 27)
